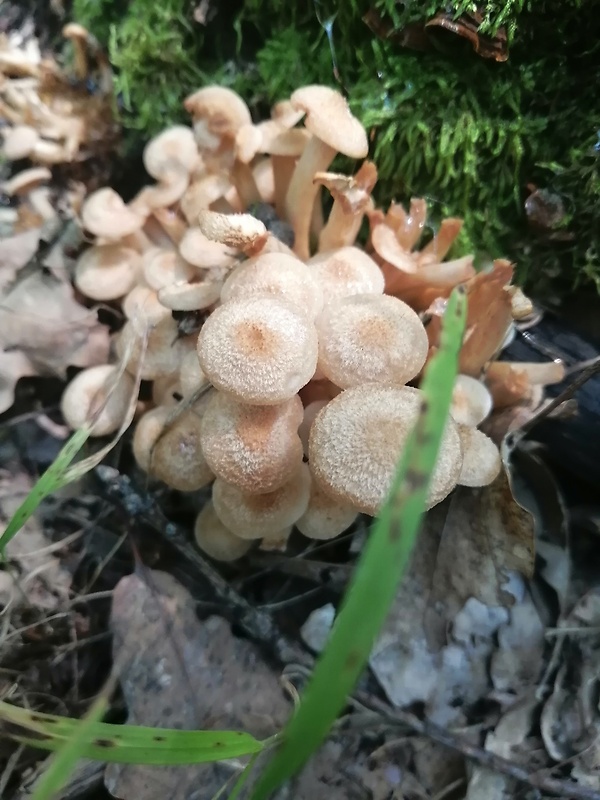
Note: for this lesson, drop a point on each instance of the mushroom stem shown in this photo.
(302, 192)
(442, 242)
(243, 180)
(283, 169)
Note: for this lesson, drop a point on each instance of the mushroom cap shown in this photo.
(105, 214)
(328, 117)
(261, 350)
(164, 267)
(89, 390)
(18, 141)
(190, 296)
(215, 539)
(191, 377)
(471, 401)
(25, 181)
(370, 338)
(276, 275)
(177, 457)
(221, 112)
(172, 151)
(202, 193)
(325, 517)
(346, 271)
(107, 271)
(258, 516)
(202, 252)
(142, 304)
(147, 430)
(481, 459)
(356, 441)
(233, 230)
(255, 448)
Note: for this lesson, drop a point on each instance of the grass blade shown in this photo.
(383, 562)
(124, 744)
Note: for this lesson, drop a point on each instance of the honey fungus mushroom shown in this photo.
(255, 448)
(100, 395)
(370, 338)
(262, 516)
(260, 350)
(356, 440)
(215, 539)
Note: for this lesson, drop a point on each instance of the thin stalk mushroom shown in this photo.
(351, 198)
(105, 215)
(356, 440)
(214, 539)
(370, 338)
(334, 130)
(107, 271)
(519, 382)
(256, 448)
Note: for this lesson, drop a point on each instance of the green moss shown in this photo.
(469, 134)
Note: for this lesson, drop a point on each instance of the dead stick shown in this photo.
(556, 786)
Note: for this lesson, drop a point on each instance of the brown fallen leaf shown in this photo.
(40, 317)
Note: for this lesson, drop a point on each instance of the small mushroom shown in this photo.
(370, 338)
(215, 539)
(107, 271)
(191, 377)
(256, 448)
(19, 141)
(351, 198)
(325, 518)
(164, 267)
(335, 130)
(173, 152)
(217, 113)
(105, 214)
(262, 516)
(356, 441)
(97, 396)
(275, 275)
(190, 295)
(346, 271)
(163, 351)
(197, 249)
(177, 457)
(481, 458)
(261, 350)
(242, 231)
(471, 401)
(147, 430)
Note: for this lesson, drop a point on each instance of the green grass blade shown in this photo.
(124, 744)
(383, 562)
(57, 774)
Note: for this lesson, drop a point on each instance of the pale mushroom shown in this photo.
(352, 197)
(325, 517)
(99, 397)
(107, 271)
(217, 541)
(481, 459)
(177, 457)
(471, 401)
(105, 214)
(335, 130)
(346, 271)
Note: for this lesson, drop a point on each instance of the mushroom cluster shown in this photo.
(280, 352)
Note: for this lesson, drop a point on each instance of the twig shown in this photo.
(423, 727)
(257, 624)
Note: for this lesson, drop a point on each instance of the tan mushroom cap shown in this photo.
(481, 458)
(471, 401)
(218, 113)
(215, 539)
(147, 430)
(346, 271)
(275, 275)
(255, 448)
(26, 180)
(202, 193)
(190, 296)
(105, 214)
(191, 377)
(177, 457)
(328, 116)
(202, 252)
(325, 518)
(165, 267)
(261, 350)
(370, 338)
(262, 516)
(142, 304)
(107, 271)
(174, 151)
(91, 388)
(310, 414)
(166, 390)
(356, 441)
(233, 230)
(19, 141)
